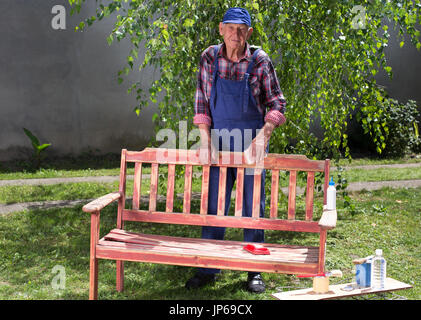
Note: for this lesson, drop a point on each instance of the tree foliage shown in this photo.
(325, 53)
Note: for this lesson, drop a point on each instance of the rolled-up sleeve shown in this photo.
(201, 106)
(273, 98)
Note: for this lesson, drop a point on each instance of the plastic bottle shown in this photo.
(378, 270)
(331, 195)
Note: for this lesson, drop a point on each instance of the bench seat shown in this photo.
(194, 252)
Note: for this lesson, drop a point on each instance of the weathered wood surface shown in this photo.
(228, 159)
(100, 203)
(221, 221)
(200, 252)
(336, 292)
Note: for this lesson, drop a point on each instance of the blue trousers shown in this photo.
(217, 233)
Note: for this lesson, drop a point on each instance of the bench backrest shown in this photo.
(188, 159)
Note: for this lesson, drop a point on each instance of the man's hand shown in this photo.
(256, 152)
(207, 152)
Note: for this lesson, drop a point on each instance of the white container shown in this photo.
(331, 196)
(378, 271)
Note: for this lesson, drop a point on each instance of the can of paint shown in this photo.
(363, 274)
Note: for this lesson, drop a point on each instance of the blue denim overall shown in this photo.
(233, 106)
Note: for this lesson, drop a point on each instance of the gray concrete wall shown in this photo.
(62, 85)
(406, 68)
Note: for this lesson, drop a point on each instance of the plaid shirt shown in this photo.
(263, 83)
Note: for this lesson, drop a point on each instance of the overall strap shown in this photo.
(214, 75)
(215, 61)
(246, 79)
(253, 59)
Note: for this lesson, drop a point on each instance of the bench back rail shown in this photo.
(188, 159)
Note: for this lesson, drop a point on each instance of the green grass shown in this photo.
(90, 165)
(68, 166)
(381, 174)
(375, 161)
(88, 190)
(54, 173)
(81, 190)
(33, 242)
(61, 191)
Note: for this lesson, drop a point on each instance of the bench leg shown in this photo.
(322, 250)
(120, 276)
(93, 265)
(93, 279)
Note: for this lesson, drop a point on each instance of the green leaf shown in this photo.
(43, 146)
(188, 23)
(110, 39)
(165, 34)
(34, 140)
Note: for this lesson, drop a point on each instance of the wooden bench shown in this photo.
(121, 245)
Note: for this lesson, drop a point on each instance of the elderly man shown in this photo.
(237, 90)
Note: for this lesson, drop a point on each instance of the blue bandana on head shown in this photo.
(238, 16)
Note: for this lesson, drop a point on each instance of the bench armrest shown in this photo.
(100, 203)
(328, 219)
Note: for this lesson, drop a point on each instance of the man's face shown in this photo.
(235, 35)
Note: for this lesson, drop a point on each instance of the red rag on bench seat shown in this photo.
(256, 249)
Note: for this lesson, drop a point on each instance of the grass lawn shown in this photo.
(33, 242)
(110, 166)
(88, 190)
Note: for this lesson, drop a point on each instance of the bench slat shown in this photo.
(326, 184)
(221, 221)
(239, 190)
(222, 190)
(205, 190)
(122, 188)
(153, 187)
(274, 194)
(256, 193)
(137, 184)
(187, 188)
(309, 196)
(291, 194)
(170, 188)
